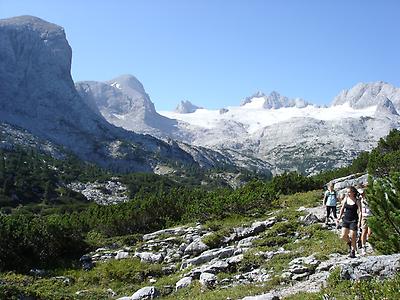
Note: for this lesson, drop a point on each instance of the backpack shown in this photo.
(327, 194)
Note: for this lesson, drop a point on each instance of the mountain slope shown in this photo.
(367, 94)
(123, 102)
(37, 94)
(288, 134)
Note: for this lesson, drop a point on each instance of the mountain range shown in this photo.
(115, 123)
(39, 101)
(288, 134)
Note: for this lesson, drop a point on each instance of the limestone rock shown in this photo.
(146, 293)
(196, 247)
(184, 282)
(208, 280)
(149, 257)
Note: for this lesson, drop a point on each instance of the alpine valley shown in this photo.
(115, 124)
(103, 197)
(41, 108)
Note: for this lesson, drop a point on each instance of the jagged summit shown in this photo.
(364, 95)
(249, 99)
(186, 107)
(273, 101)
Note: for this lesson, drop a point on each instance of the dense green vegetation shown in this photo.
(30, 177)
(157, 201)
(43, 224)
(126, 276)
(161, 206)
(384, 201)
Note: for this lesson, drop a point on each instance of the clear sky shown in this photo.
(215, 52)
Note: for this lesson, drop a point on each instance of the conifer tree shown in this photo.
(384, 202)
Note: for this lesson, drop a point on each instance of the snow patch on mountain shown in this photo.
(254, 118)
(273, 101)
(38, 95)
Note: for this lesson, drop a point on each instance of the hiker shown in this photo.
(366, 230)
(330, 199)
(351, 213)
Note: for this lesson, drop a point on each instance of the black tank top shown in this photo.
(350, 213)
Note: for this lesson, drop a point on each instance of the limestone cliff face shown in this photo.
(37, 93)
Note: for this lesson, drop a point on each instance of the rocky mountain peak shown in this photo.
(249, 99)
(364, 95)
(120, 96)
(273, 101)
(35, 79)
(37, 94)
(128, 83)
(186, 107)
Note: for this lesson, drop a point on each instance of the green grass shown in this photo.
(126, 276)
(344, 289)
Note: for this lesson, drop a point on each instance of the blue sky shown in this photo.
(214, 52)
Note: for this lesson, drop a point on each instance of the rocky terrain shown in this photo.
(38, 96)
(288, 134)
(198, 262)
(285, 249)
(234, 257)
(267, 132)
(104, 193)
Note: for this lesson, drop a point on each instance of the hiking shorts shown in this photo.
(350, 225)
(364, 223)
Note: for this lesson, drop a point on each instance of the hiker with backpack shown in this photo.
(351, 212)
(330, 200)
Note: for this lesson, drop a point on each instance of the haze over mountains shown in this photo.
(266, 131)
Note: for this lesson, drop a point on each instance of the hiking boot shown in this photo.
(363, 250)
(352, 254)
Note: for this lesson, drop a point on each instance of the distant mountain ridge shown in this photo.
(186, 107)
(367, 94)
(274, 101)
(37, 94)
(288, 134)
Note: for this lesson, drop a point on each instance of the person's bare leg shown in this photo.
(353, 237)
(345, 235)
(364, 236)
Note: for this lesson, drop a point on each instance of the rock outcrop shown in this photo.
(37, 94)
